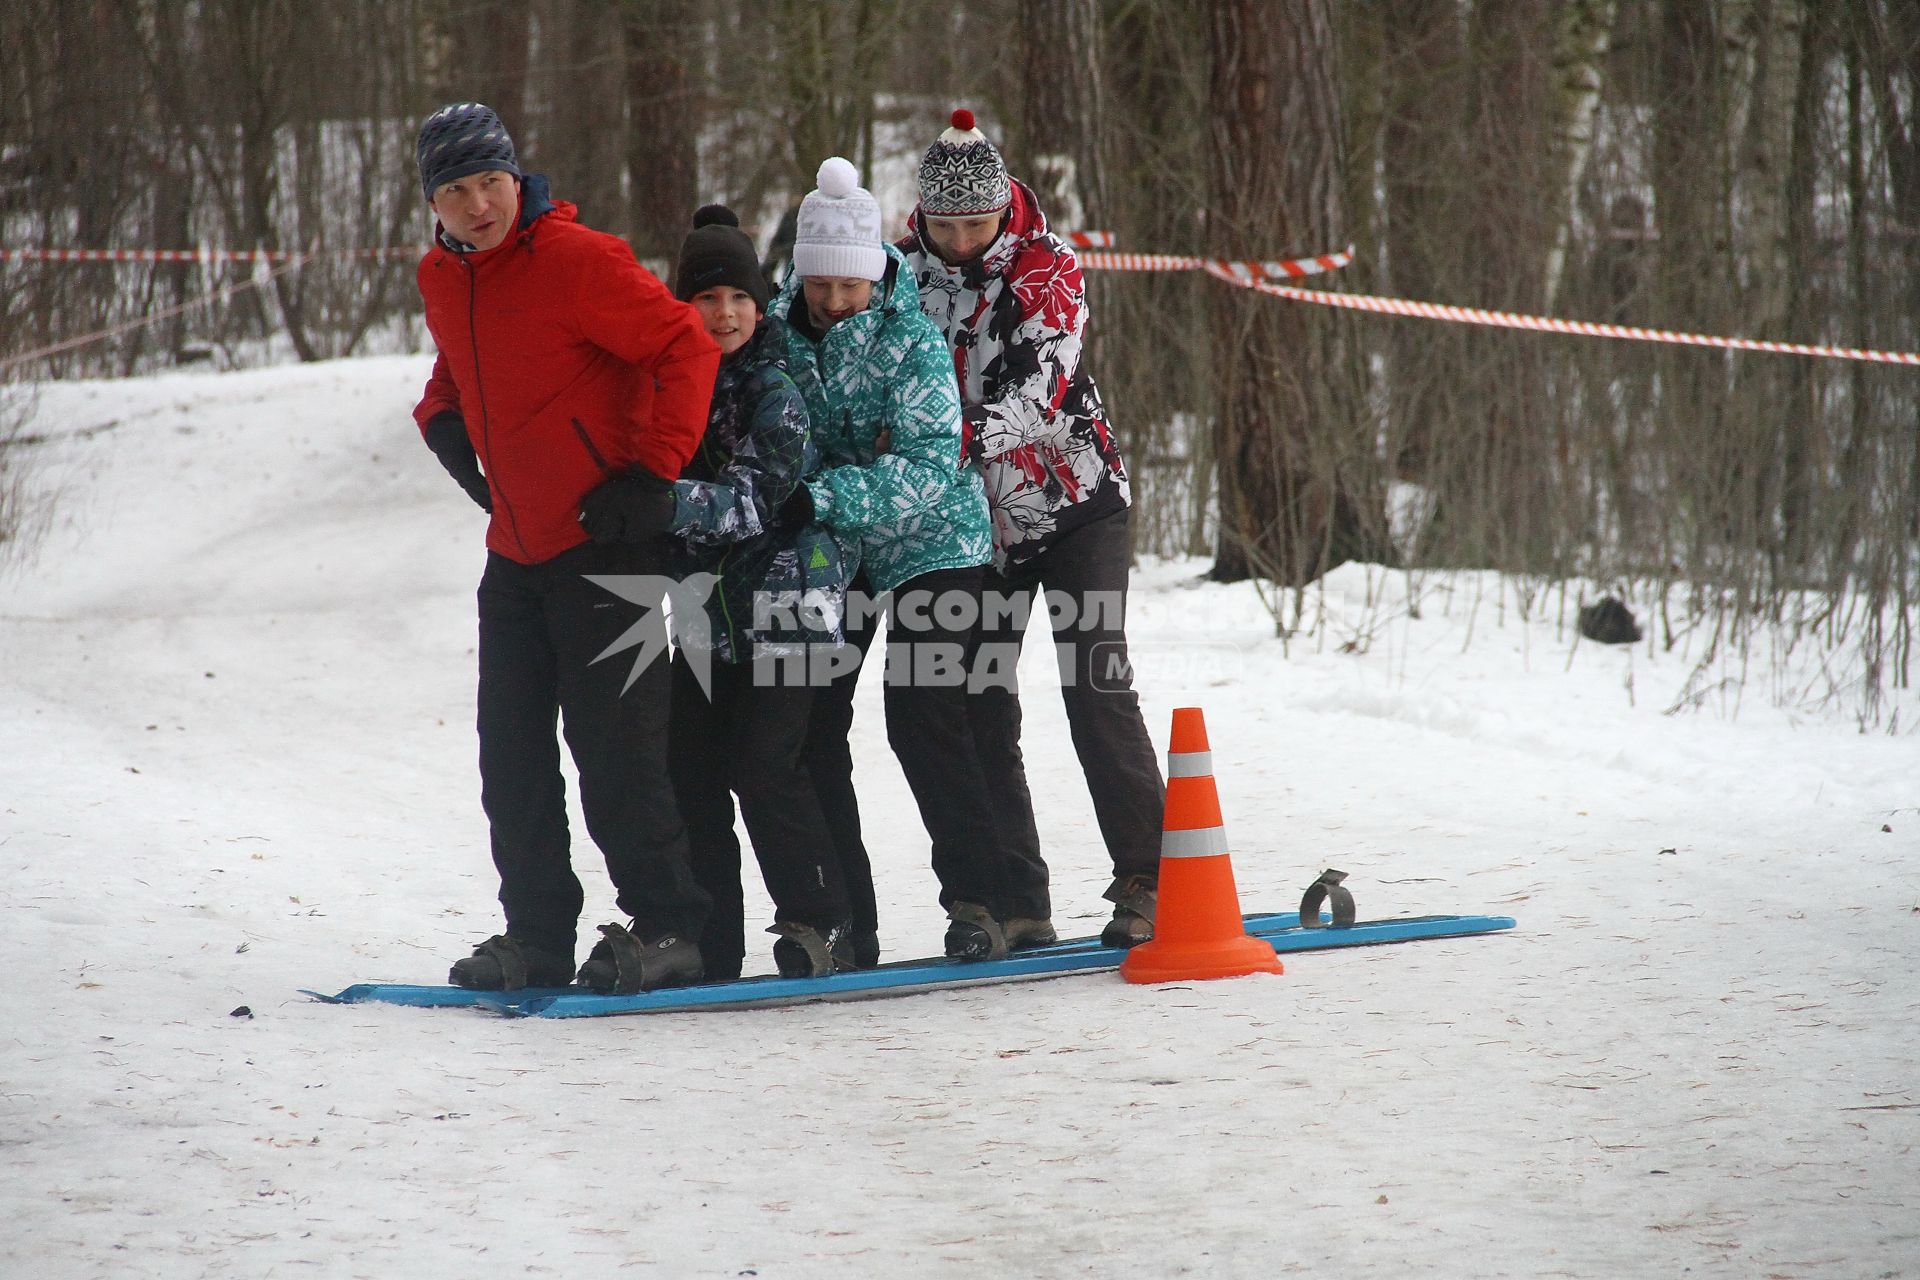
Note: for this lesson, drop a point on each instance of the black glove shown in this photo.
(446, 435)
(628, 508)
(797, 511)
(970, 448)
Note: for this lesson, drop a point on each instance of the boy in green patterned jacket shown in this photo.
(779, 595)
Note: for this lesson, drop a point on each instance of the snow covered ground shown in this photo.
(236, 759)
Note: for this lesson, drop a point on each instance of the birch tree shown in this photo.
(1581, 36)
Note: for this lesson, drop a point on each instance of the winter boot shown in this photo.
(502, 963)
(1133, 899)
(974, 934)
(622, 963)
(1025, 933)
(866, 947)
(803, 951)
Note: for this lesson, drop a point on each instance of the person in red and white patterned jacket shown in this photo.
(1009, 296)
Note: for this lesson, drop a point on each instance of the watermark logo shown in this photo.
(953, 638)
(1170, 668)
(683, 601)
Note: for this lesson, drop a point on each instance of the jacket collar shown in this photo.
(536, 202)
(894, 293)
(766, 346)
(1025, 224)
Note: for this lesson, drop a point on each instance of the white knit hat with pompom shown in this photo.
(838, 233)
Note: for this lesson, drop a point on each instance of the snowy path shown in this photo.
(236, 760)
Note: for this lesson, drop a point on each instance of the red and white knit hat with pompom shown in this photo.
(838, 231)
(962, 174)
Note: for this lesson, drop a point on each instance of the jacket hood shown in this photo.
(893, 293)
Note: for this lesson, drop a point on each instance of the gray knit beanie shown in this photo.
(460, 140)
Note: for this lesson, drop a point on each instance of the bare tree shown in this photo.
(1582, 34)
(1156, 354)
(664, 116)
(1058, 144)
(578, 128)
(488, 45)
(1292, 442)
(1423, 70)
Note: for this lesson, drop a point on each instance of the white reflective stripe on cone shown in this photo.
(1189, 764)
(1200, 842)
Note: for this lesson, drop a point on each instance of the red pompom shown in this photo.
(963, 119)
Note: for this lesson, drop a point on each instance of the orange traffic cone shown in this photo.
(1197, 931)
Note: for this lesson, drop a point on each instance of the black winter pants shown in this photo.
(1085, 575)
(927, 727)
(541, 626)
(746, 740)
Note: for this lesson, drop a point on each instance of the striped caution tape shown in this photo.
(1549, 324)
(1258, 276)
(128, 326)
(1275, 269)
(196, 255)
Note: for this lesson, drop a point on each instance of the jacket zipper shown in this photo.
(486, 418)
(726, 610)
(580, 429)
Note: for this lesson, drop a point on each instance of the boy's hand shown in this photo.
(797, 511)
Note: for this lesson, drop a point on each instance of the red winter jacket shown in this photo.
(569, 362)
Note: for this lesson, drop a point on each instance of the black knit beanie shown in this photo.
(460, 140)
(717, 252)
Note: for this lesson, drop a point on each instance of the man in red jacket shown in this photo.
(579, 384)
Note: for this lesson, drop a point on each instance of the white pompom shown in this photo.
(837, 176)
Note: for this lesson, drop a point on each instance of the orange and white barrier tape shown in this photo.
(196, 255)
(128, 326)
(1276, 269)
(1549, 324)
(1246, 275)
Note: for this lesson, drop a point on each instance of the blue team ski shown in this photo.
(900, 977)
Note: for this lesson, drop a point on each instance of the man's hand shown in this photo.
(797, 511)
(446, 435)
(970, 450)
(633, 507)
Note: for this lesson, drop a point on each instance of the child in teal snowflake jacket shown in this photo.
(896, 486)
(884, 376)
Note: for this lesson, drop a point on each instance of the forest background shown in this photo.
(1734, 167)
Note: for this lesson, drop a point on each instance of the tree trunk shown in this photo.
(1291, 433)
(1423, 173)
(833, 54)
(1773, 393)
(1496, 501)
(593, 112)
(1056, 148)
(1156, 356)
(664, 117)
(1690, 201)
(490, 46)
(1581, 37)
